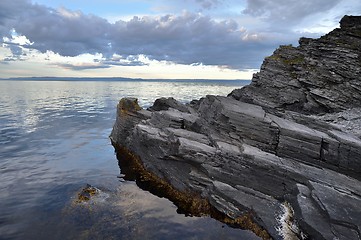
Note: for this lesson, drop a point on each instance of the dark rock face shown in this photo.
(294, 175)
(320, 75)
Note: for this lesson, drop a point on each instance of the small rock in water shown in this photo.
(87, 192)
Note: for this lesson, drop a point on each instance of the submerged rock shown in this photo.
(250, 161)
(87, 193)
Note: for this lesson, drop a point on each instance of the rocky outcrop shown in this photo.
(280, 173)
(319, 76)
(243, 159)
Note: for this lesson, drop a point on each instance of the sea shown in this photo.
(54, 140)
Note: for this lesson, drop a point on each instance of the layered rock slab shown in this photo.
(243, 159)
(318, 76)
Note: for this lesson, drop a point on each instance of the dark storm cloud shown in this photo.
(61, 31)
(186, 39)
(64, 32)
(8, 11)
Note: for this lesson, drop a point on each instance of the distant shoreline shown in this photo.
(120, 79)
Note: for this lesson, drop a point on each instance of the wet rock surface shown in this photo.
(256, 152)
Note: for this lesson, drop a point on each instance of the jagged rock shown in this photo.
(320, 75)
(253, 159)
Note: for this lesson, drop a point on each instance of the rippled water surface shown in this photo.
(54, 141)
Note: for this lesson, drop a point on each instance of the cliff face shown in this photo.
(320, 75)
(282, 174)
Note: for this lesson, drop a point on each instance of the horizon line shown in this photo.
(48, 78)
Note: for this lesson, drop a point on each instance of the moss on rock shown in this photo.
(128, 105)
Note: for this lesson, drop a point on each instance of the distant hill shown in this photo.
(244, 81)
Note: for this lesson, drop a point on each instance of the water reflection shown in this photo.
(54, 140)
(125, 213)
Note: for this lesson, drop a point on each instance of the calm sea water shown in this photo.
(54, 141)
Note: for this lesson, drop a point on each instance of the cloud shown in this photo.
(163, 6)
(62, 31)
(7, 60)
(82, 66)
(187, 38)
(117, 60)
(208, 4)
(287, 11)
(15, 49)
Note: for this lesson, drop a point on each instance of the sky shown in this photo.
(156, 39)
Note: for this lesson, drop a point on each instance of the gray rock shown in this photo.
(243, 159)
(258, 152)
(319, 76)
(166, 103)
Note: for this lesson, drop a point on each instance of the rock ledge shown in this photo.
(257, 153)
